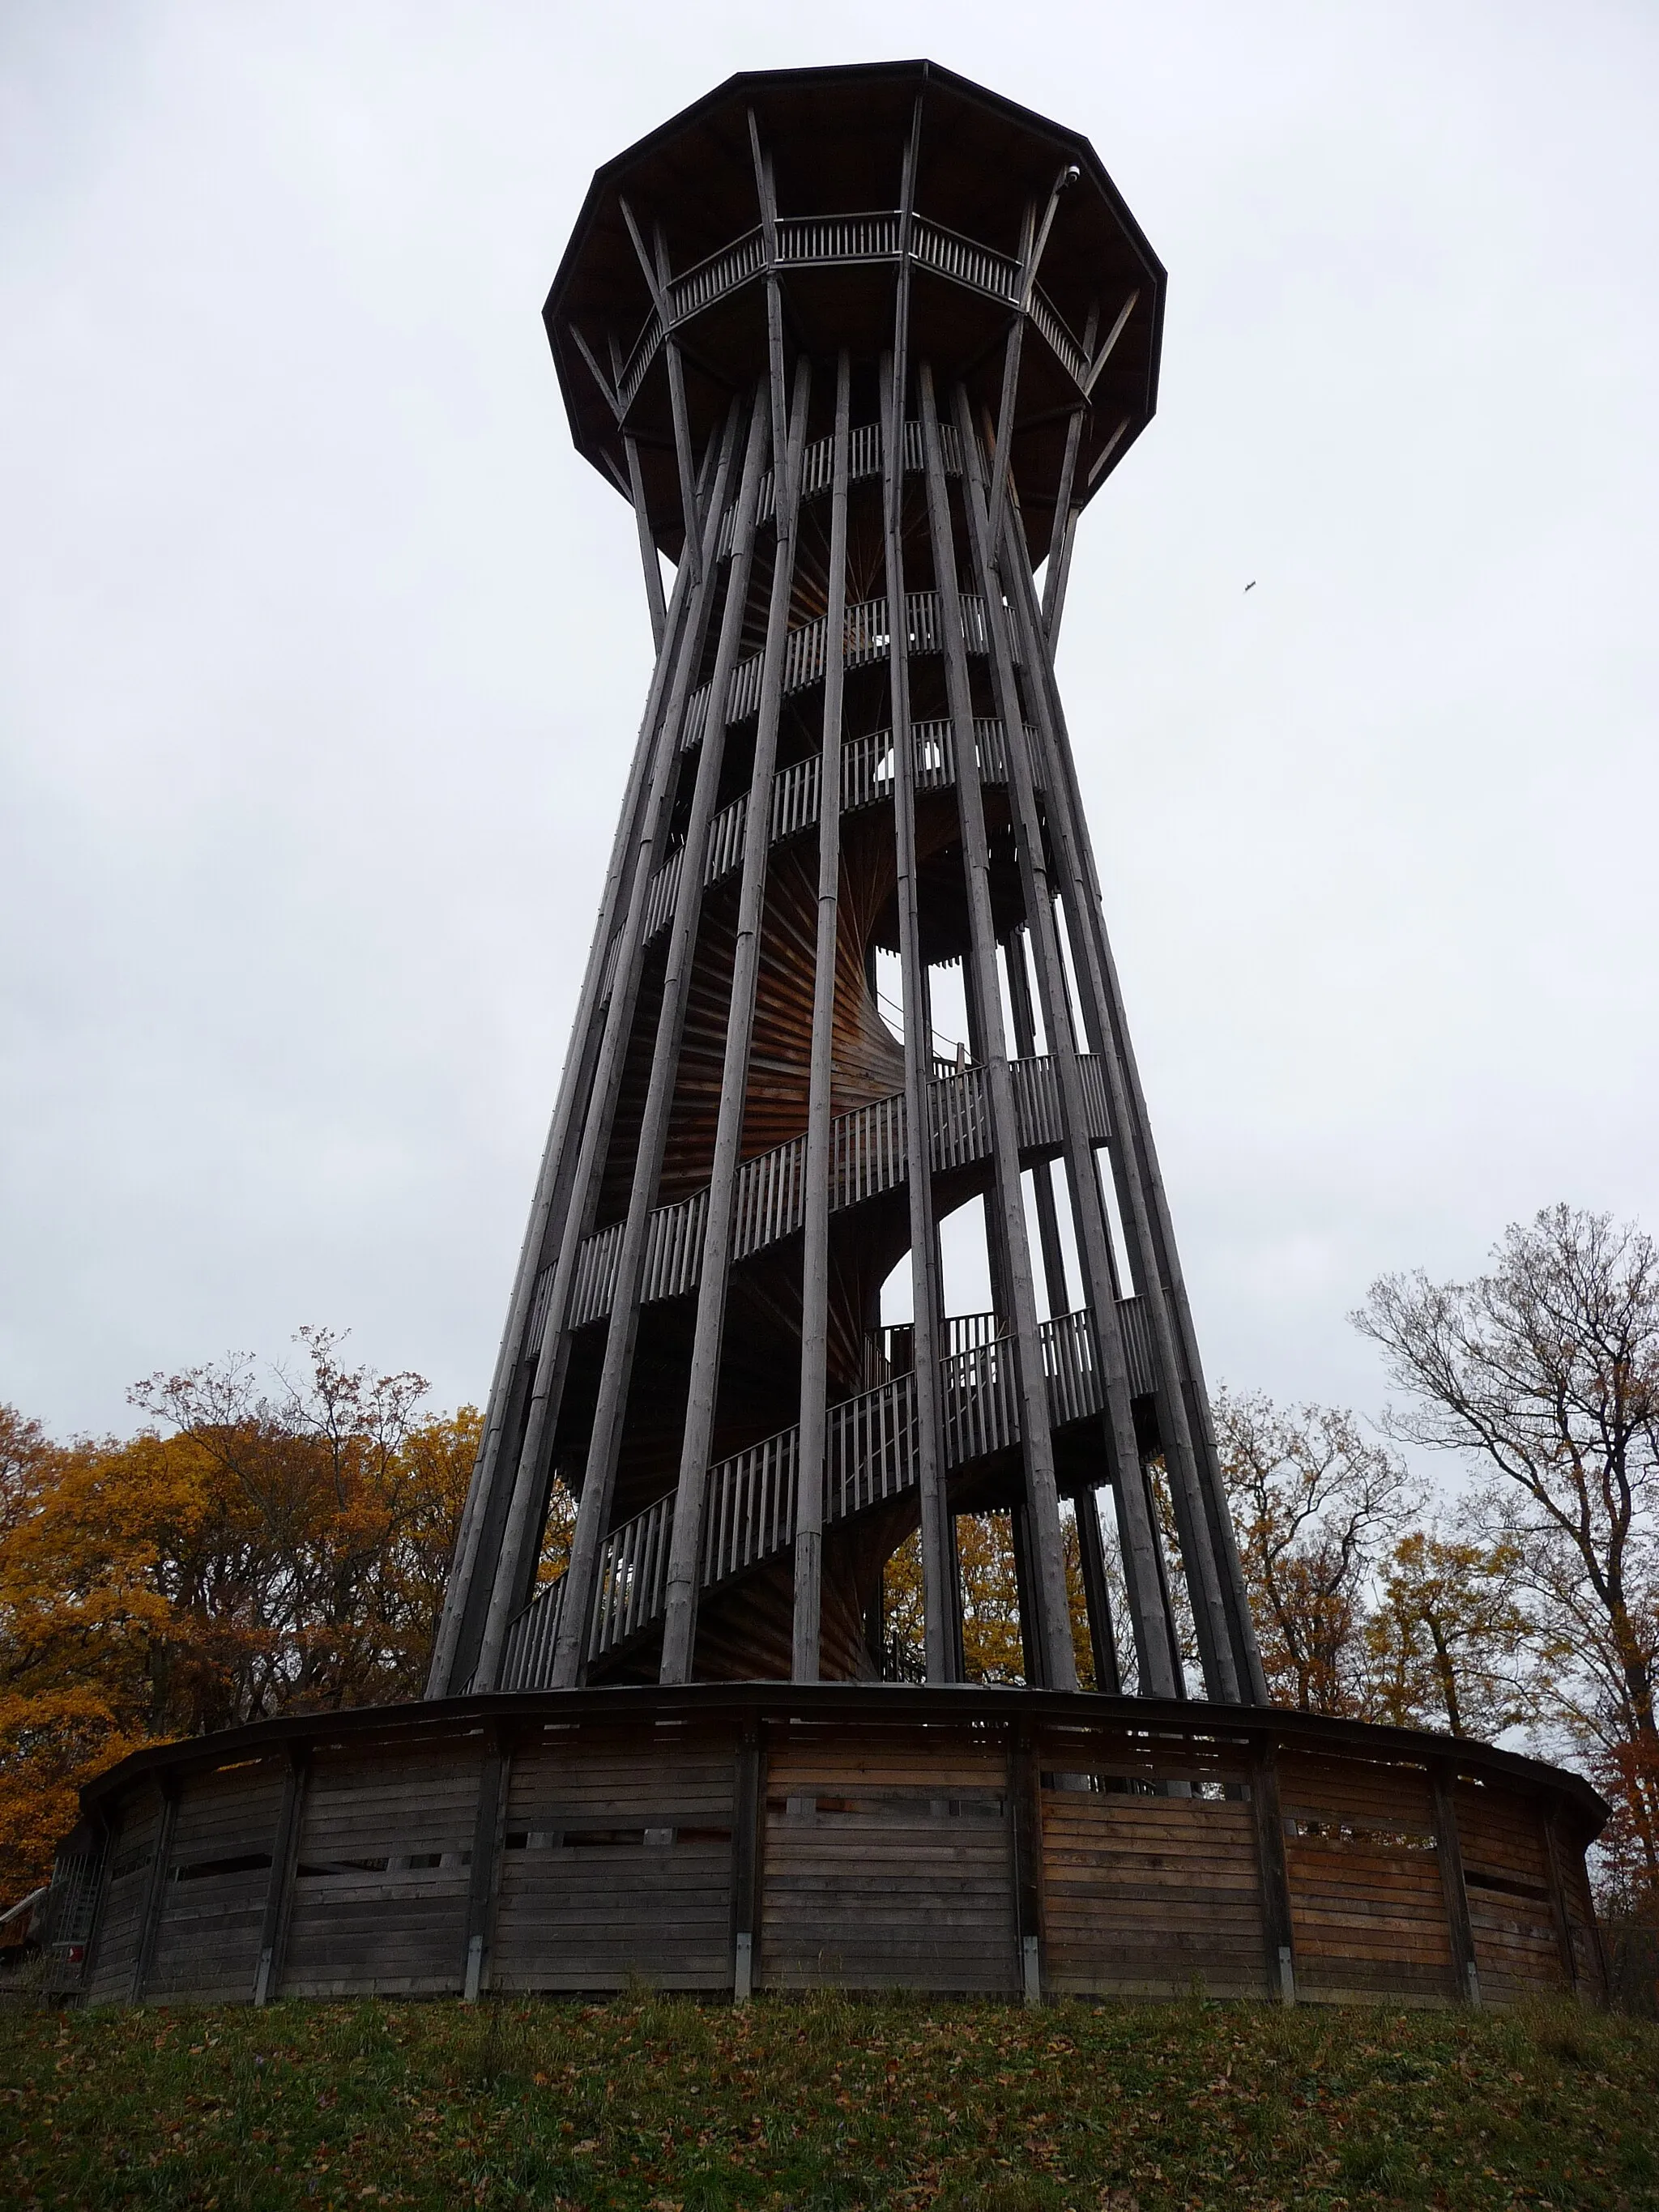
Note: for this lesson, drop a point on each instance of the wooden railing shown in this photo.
(867, 1157)
(866, 637)
(868, 773)
(864, 453)
(842, 240)
(870, 1455)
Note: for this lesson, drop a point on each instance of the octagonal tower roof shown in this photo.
(986, 173)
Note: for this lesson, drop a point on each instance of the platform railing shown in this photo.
(868, 768)
(866, 637)
(866, 1160)
(844, 240)
(871, 1455)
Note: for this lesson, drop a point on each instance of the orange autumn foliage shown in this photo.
(283, 1549)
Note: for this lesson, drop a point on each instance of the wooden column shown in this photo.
(1147, 1610)
(685, 1545)
(1449, 1850)
(918, 1033)
(149, 1920)
(815, 1242)
(1222, 1624)
(1277, 1926)
(1097, 1595)
(1547, 1816)
(488, 1836)
(593, 1518)
(1025, 1818)
(1052, 1614)
(108, 1823)
(279, 1886)
(1042, 1175)
(508, 1489)
(748, 1837)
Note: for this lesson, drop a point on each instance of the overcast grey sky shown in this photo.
(321, 654)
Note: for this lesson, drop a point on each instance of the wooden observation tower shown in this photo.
(859, 345)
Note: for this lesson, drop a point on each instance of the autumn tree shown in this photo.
(285, 1547)
(1447, 1639)
(1314, 1503)
(1543, 1373)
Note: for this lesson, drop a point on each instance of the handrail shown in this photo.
(866, 637)
(829, 242)
(871, 1454)
(866, 1158)
(868, 769)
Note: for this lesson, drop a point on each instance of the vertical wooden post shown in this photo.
(1052, 1616)
(593, 1518)
(1449, 1850)
(1220, 1614)
(1146, 1605)
(1277, 1925)
(1547, 1816)
(279, 1885)
(748, 1842)
(502, 1496)
(918, 1034)
(815, 1241)
(1097, 1596)
(149, 1920)
(489, 1835)
(685, 1542)
(1042, 1175)
(1025, 1818)
(109, 1823)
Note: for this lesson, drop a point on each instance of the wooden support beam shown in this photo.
(581, 1127)
(1147, 1609)
(1448, 1851)
(766, 193)
(748, 1841)
(598, 1482)
(489, 1838)
(815, 1242)
(155, 1889)
(696, 1436)
(1220, 1617)
(279, 1887)
(654, 263)
(1025, 1825)
(1554, 1863)
(1064, 527)
(1097, 1595)
(1042, 1177)
(1277, 1924)
(1053, 1617)
(515, 1565)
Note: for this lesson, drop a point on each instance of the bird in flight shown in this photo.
(1250, 587)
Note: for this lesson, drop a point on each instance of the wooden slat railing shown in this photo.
(866, 1158)
(865, 638)
(839, 240)
(871, 1455)
(867, 770)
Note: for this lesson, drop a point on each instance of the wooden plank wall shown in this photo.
(207, 1937)
(618, 1860)
(381, 1887)
(872, 1878)
(1367, 1907)
(744, 1847)
(1150, 1877)
(115, 1940)
(1517, 1947)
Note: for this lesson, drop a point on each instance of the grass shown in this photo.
(654, 2105)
